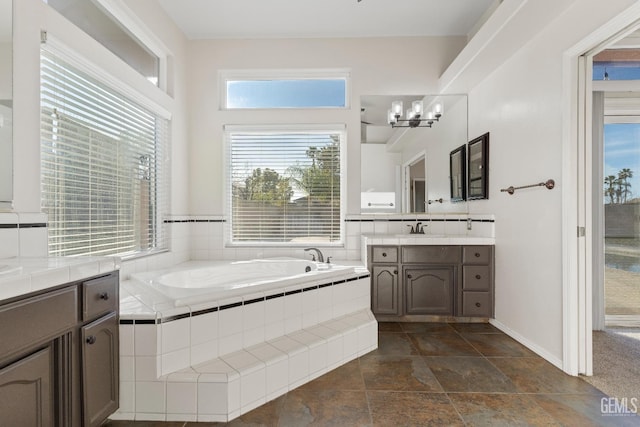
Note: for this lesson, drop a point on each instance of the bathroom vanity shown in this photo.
(450, 277)
(59, 352)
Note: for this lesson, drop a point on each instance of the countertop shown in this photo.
(425, 239)
(23, 275)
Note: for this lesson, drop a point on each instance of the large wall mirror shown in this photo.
(405, 167)
(6, 104)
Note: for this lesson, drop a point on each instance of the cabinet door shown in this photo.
(26, 391)
(384, 293)
(100, 380)
(429, 290)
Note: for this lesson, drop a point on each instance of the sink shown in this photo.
(422, 236)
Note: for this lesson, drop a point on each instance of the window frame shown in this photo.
(283, 74)
(82, 64)
(293, 128)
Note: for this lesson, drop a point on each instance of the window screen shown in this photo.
(284, 187)
(102, 175)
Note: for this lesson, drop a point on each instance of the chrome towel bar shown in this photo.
(548, 183)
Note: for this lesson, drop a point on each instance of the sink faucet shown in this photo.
(317, 251)
(419, 228)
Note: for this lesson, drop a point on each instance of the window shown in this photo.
(284, 187)
(93, 19)
(282, 89)
(104, 185)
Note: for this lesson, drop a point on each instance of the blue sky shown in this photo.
(300, 93)
(622, 150)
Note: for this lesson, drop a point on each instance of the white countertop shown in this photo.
(23, 275)
(425, 239)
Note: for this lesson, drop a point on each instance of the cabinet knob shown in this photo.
(91, 339)
(409, 276)
(477, 254)
(478, 276)
(395, 271)
(478, 304)
(384, 254)
(104, 296)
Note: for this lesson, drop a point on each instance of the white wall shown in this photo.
(378, 66)
(521, 105)
(380, 171)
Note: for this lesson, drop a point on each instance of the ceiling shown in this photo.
(211, 19)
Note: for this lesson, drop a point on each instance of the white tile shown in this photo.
(230, 321)
(253, 388)
(127, 397)
(253, 336)
(187, 375)
(202, 352)
(150, 397)
(182, 417)
(147, 368)
(243, 362)
(175, 335)
(127, 368)
(182, 398)
(33, 242)
(126, 340)
(204, 328)
(175, 360)
(274, 330)
(50, 277)
(274, 309)
(277, 378)
(125, 416)
(205, 418)
(293, 305)
(147, 340)
(230, 343)
(143, 416)
(253, 315)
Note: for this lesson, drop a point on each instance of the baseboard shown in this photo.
(527, 343)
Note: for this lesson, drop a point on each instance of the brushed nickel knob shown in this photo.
(91, 339)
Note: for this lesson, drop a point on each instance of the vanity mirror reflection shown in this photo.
(6, 104)
(405, 164)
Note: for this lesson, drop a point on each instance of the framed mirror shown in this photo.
(478, 182)
(457, 174)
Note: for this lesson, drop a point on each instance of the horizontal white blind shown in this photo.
(284, 187)
(104, 183)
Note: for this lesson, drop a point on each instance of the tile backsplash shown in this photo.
(23, 234)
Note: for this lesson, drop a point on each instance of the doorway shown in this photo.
(415, 183)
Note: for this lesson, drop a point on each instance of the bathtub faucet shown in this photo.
(317, 251)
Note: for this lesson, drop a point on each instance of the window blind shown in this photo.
(284, 187)
(103, 174)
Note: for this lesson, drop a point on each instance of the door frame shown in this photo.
(577, 200)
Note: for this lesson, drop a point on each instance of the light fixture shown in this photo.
(415, 116)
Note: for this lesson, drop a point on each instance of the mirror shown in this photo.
(6, 104)
(478, 172)
(458, 176)
(406, 169)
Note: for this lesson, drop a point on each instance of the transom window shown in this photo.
(285, 89)
(284, 186)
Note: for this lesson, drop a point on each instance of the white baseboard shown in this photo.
(530, 345)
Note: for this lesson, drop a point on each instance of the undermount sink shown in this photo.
(421, 235)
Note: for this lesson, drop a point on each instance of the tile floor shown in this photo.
(440, 374)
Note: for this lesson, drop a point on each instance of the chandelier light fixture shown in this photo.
(415, 116)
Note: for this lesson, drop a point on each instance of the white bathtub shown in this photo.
(192, 284)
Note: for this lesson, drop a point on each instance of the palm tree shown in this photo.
(625, 185)
(610, 190)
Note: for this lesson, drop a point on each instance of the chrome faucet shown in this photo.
(317, 251)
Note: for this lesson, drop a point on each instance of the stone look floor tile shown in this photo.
(346, 377)
(450, 344)
(535, 375)
(582, 410)
(399, 373)
(394, 343)
(389, 327)
(325, 408)
(427, 328)
(469, 374)
(501, 410)
(477, 328)
(497, 345)
(390, 408)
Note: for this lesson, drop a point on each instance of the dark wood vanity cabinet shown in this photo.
(441, 280)
(59, 355)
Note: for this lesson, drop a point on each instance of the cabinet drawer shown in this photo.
(31, 320)
(99, 296)
(384, 254)
(480, 255)
(476, 304)
(476, 278)
(431, 254)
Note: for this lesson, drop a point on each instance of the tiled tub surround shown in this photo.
(215, 361)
